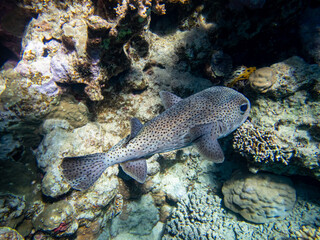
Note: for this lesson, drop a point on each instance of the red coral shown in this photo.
(62, 228)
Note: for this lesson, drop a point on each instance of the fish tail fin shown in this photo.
(83, 171)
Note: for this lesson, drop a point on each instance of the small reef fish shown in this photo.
(200, 120)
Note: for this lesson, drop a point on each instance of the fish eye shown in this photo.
(243, 107)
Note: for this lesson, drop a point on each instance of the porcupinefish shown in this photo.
(200, 120)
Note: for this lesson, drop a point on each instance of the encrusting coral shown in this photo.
(262, 79)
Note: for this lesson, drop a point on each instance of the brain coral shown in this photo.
(262, 79)
(259, 198)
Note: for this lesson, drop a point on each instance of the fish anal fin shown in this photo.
(209, 147)
(169, 99)
(137, 169)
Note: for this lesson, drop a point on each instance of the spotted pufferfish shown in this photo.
(198, 120)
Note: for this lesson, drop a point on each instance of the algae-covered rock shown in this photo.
(61, 141)
(76, 113)
(292, 75)
(259, 198)
(141, 217)
(9, 233)
(12, 207)
(76, 29)
(58, 218)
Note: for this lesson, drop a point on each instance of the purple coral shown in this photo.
(59, 67)
(50, 88)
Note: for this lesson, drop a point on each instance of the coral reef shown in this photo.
(259, 198)
(262, 79)
(202, 215)
(292, 75)
(12, 207)
(87, 67)
(284, 123)
(75, 112)
(58, 218)
(59, 142)
(193, 217)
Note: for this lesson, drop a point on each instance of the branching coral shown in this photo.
(259, 145)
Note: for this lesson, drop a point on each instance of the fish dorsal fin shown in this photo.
(169, 99)
(136, 126)
(137, 169)
(207, 143)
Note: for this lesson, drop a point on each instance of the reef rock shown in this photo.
(259, 198)
(58, 217)
(77, 30)
(283, 134)
(12, 207)
(61, 141)
(8, 233)
(221, 64)
(140, 218)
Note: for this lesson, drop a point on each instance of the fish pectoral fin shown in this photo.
(137, 169)
(210, 148)
(169, 99)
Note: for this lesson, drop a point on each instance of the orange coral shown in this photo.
(241, 74)
(159, 8)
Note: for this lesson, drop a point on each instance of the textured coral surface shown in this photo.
(259, 198)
